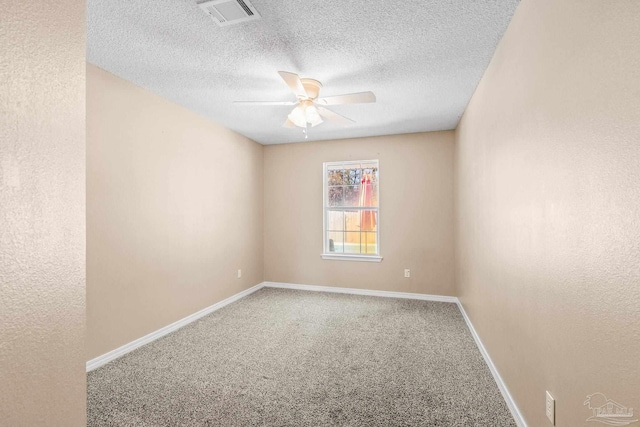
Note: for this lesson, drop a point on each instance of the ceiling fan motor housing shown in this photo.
(312, 87)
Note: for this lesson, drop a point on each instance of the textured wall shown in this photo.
(42, 213)
(416, 213)
(174, 207)
(548, 206)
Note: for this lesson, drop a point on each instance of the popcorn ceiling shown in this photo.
(422, 59)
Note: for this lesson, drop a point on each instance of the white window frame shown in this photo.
(325, 207)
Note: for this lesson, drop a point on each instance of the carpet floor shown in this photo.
(296, 358)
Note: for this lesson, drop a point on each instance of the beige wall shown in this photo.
(42, 213)
(548, 206)
(416, 213)
(174, 207)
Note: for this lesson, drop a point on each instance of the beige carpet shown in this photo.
(296, 358)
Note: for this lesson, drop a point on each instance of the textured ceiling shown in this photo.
(422, 59)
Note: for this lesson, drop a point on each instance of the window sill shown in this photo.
(364, 258)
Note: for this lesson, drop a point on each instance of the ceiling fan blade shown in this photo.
(293, 81)
(335, 117)
(265, 102)
(350, 98)
(288, 124)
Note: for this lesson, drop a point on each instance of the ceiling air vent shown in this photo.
(229, 12)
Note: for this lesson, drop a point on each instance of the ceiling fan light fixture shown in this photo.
(311, 114)
(316, 122)
(305, 113)
(298, 116)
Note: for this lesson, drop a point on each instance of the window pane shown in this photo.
(352, 195)
(336, 196)
(374, 193)
(352, 220)
(369, 243)
(369, 166)
(353, 176)
(352, 242)
(335, 175)
(368, 220)
(335, 220)
(335, 242)
(368, 198)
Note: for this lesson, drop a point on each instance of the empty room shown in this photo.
(320, 213)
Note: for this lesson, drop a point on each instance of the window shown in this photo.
(351, 219)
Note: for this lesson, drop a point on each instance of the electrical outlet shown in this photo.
(239, 274)
(407, 272)
(551, 409)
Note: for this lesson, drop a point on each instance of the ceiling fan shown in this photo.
(309, 109)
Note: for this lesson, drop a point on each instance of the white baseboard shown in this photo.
(387, 294)
(511, 404)
(121, 351)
